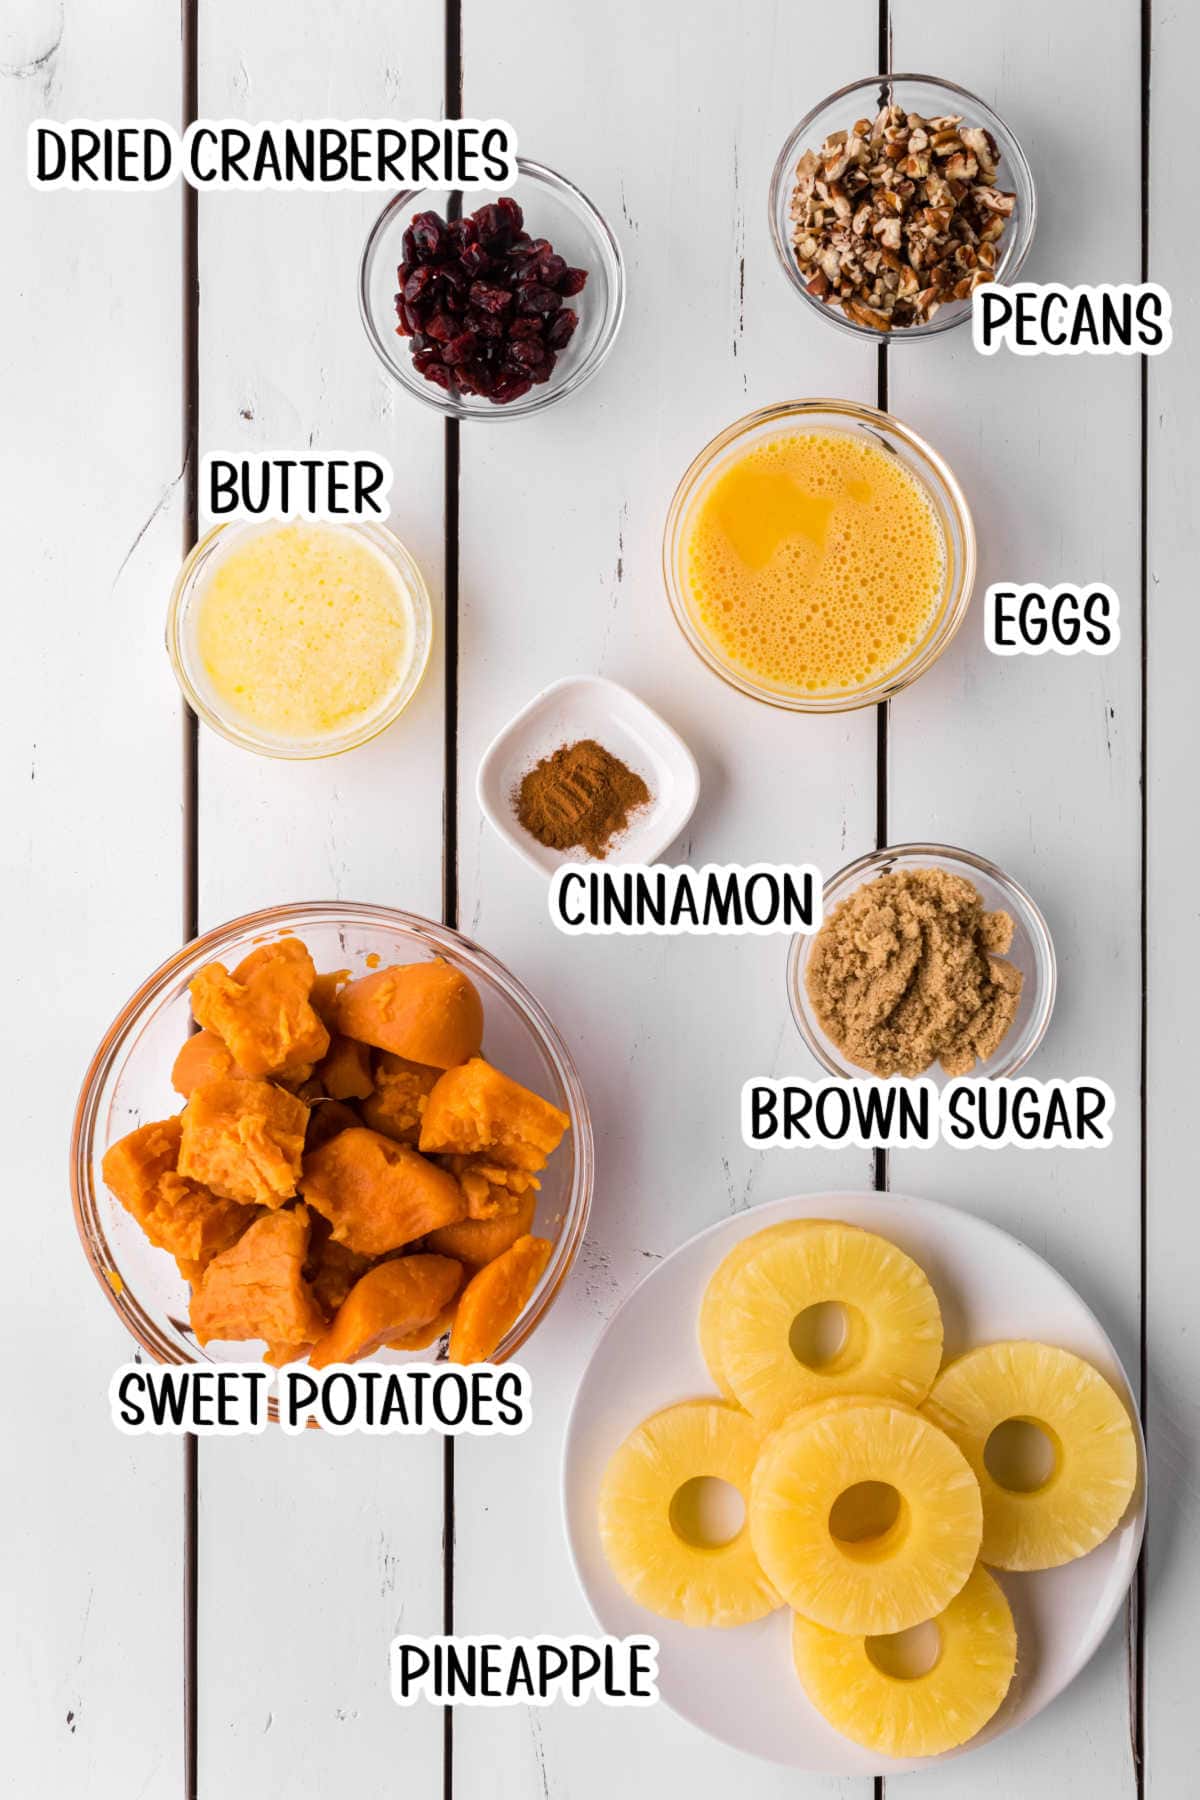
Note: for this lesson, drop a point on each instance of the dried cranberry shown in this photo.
(523, 353)
(429, 236)
(527, 328)
(475, 260)
(419, 281)
(490, 298)
(492, 227)
(461, 232)
(544, 369)
(561, 327)
(573, 282)
(509, 387)
(439, 373)
(488, 325)
(550, 268)
(442, 327)
(460, 349)
(537, 299)
(408, 247)
(511, 213)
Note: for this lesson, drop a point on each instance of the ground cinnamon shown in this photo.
(579, 797)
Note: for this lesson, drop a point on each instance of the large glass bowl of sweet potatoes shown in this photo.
(331, 1132)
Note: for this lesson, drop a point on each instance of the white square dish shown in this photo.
(589, 706)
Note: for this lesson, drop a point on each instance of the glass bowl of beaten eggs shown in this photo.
(819, 555)
(299, 638)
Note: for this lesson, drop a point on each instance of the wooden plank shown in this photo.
(1035, 763)
(562, 519)
(313, 1552)
(1173, 643)
(90, 1521)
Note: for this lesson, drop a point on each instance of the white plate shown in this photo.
(588, 706)
(739, 1685)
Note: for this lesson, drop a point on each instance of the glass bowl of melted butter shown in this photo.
(819, 555)
(299, 638)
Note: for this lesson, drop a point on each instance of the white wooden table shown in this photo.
(1075, 774)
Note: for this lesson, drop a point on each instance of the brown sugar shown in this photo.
(908, 970)
(579, 797)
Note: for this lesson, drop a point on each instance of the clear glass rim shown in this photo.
(184, 591)
(876, 862)
(437, 398)
(86, 1201)
(953, 612)
(1012, 256)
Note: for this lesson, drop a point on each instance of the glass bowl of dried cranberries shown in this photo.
(492, 305)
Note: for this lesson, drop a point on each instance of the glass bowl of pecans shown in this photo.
(491, 305)
(894, 199)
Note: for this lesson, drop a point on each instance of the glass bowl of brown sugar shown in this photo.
(1028, 953)
(587, 772)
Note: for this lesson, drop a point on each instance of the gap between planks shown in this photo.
(189, 36)
(452, 104)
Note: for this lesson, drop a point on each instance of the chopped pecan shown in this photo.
(897, 215)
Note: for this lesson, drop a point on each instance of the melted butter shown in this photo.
(304, 631)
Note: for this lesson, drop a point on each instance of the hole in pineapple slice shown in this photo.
(707, 1512)
(1022, 1455)
(828, 1337)
(906, 1655)
(867, 1520)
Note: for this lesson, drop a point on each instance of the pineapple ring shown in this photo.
(921, 1714)
(817, 1531)
(1095, 1466)
(712, 1307)
(696, 1583)
(893, 1345)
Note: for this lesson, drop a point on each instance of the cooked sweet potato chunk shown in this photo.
(175, 1214)
(203, 1058)
(325, 1119)
(479, 1241)
(262, 1011)
(323, 999)
(494, 1299)
(331, 1269)
(393, 1300)
(279, 1354)
(257, 1289)
(477, 1108)
(244, 1140)
(426, 1012)
(134, 1165)
(491, 1191)
(345, 1071)
(427, 1334)
(401, 1089)
(378, 1195)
